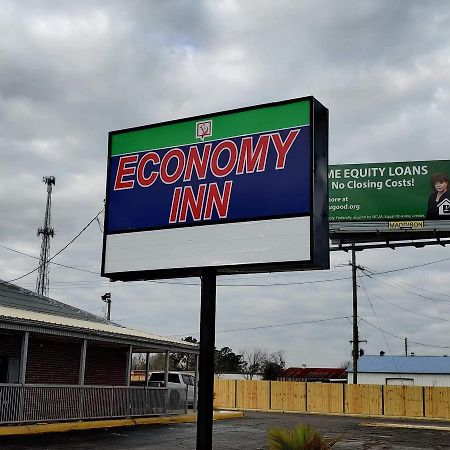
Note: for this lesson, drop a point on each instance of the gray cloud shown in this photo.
(71, 72)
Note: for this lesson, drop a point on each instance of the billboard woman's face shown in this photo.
(441, 186)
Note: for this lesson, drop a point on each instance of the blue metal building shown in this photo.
(403, 370)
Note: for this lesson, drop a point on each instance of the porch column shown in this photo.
(129, 362)
(24, 357)
(166, 369)
(166, 378)
(147, 367)
(82, 362)
(194, 406)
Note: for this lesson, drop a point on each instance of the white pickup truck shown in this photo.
(176, 380)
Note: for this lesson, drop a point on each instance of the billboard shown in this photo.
(390, 197)
(234, 190)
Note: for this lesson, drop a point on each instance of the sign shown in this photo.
(389, 191)
(375, 201)
(233, 190)
(406, 224)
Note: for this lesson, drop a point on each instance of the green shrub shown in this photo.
(302, 437)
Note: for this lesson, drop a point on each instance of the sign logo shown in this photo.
(203, 129)
(406, 224)
(444, 207)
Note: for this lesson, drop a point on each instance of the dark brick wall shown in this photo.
(57, 361)
(10, 345)
(53, 362)
(105, 365)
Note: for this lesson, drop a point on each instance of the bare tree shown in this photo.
(183, 361)
(252, 362)
(273, 365)
(277, 358)
(345, 364)
(138, 362)
(177, 361)
(261, 362)
(157, 361)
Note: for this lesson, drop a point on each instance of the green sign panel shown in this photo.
(412, 190)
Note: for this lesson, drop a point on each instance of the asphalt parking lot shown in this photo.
(249, 433)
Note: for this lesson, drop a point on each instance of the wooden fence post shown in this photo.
(270, 395)
(343, 398)
(306, 397)
(423, 402)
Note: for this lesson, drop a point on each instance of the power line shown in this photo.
(197, 284)
(418, 288)
(318, 281)
(398, 337)
(397, 285)
(372, 273)
(60, 251)
(392, 334)
(79, 268)
(408, 291)
(268, 326)
(406, 309)
(100, 226)
(411, 267)
(378, 321)
(52, 262)
(174, 282)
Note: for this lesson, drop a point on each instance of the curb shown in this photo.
(354, 415)
(60, 427)
(404, 425)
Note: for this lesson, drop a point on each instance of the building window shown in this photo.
(400, 381)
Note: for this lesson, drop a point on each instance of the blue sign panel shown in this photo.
(255, 176)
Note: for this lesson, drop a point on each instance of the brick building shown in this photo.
(56, 334)
(46, 342)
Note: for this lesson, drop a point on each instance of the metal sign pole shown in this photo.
(206, 362)
(355, 319)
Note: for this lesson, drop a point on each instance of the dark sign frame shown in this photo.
(319, 236)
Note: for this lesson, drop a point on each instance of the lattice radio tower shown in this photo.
(47, 232)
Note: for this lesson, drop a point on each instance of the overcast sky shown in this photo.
(72, 71)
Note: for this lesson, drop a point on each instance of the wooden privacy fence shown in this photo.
(374, 400)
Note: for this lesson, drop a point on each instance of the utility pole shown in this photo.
(355, 341)
(355, 318)
(42, 282)
(406, 346)
(107, 299)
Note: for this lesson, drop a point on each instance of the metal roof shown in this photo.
(403, 364)
(16, 297)
(19, 306)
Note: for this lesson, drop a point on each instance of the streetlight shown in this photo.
(107, 299)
